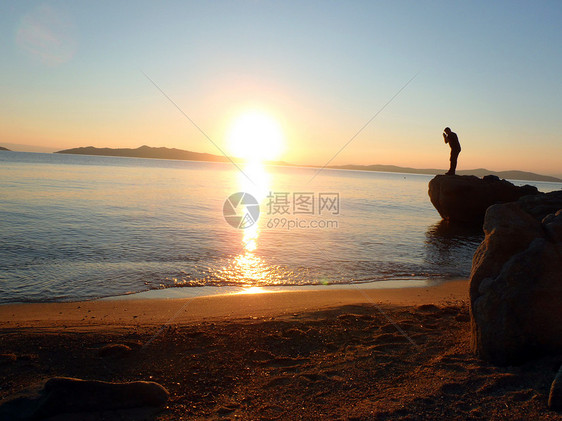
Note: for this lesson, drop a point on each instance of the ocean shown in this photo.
(76, 227)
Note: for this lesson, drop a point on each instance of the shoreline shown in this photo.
(127, 310)
(211, 291)
(182, 292)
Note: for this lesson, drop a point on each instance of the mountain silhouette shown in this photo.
(180, 154)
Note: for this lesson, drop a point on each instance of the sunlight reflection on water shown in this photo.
(246, 267)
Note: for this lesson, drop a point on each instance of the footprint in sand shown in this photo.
(287, 362)
(522, 395)
(279, 381)
(501, 382)
(388, 338)
(313, 377)
(452, 389)
(393, 328)
(261, 356)
(227, 409)
(427, 308)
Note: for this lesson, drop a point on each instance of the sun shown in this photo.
(256, 137)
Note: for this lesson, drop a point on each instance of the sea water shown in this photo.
(76, 227)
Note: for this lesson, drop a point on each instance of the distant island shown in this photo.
(180, 154)
(148, 152)
(157, 153)
(3, 149)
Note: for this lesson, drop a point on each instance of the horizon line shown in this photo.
(359, 167)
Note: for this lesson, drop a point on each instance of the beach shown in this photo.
(343, 354)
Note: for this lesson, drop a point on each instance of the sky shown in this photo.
(76, 73)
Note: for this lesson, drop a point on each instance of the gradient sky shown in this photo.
(72, 75)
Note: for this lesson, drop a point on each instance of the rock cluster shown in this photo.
(465, 198)
(516, 281)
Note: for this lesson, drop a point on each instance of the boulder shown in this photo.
(516, 281)
(64, 395)
(555, 395)
(465, 198)
(114, 351)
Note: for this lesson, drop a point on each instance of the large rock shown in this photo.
(555, 395)
(465, 198)
(516, 281)
(64, 395)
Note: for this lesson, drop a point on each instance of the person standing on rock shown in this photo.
(452, 139)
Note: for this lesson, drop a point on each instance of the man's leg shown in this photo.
(453, 167)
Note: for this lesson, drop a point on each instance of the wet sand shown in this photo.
(342, 354)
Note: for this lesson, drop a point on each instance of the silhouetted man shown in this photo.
(452, 139)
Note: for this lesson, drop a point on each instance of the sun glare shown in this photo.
(253, 290)
(255, 137)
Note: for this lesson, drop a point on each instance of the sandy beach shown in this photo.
(342, 354)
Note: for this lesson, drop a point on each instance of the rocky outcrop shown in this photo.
(465, 198)
(63, 395)
(516, 281)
